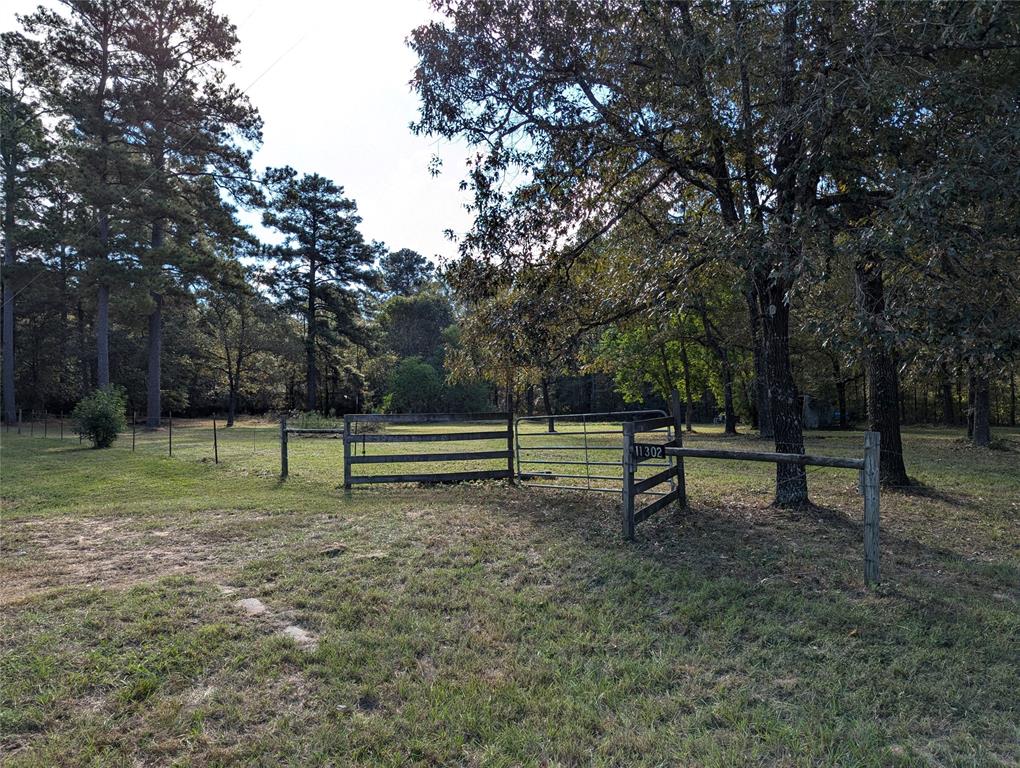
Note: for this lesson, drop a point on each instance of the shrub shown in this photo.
(414, 387)
(100, 416)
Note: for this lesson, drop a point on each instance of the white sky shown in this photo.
(339, 104)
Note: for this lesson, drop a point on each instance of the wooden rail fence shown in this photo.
(353, 438)
(635, 452)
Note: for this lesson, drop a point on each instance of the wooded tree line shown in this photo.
(126, 156)
(784, 196)
(751, 203)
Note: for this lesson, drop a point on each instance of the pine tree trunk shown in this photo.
(791, 479)
(883, 400)
(152, 384)
(10, 407)
(982, 412)
(103, 336)
(10, 410)
(311, 380)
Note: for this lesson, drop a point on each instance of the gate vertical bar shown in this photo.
(347, 452)
(627, 505)
(872, 446)
(587, 464)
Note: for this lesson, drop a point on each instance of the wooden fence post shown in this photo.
(627, 506)
(61, 425)
(19, 420)
(171, 433)
(134, 427)
(678, 441)
(872, 445)
(283, 447)
(510, 447)
(347, 452)
(215, 442)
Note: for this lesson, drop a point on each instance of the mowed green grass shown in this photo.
(481, 624)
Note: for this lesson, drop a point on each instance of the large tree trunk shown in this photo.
(982, 432)
(152, 383)
(791, 479)
(883, 399)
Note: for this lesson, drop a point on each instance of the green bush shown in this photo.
(414, 387)
(100, 416)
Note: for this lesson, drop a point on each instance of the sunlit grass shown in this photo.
(487, 625)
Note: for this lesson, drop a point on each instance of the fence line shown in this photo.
(636, 452)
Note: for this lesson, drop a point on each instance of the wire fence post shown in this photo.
(20, 414)
(171, 432)
(253, 441)
(31, 423)
(61, 425)
(872, 446)
(45, 423)
(283, 448)
(134, 427)
(215, 442)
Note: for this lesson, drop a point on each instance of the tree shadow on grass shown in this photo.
(752, 543)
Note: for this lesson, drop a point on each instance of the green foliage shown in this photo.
(100, 416)
(413, 326)
(405, 271)
(414, 387)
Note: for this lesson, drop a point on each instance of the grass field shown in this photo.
(169, 611)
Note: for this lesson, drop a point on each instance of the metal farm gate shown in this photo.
(576, 451)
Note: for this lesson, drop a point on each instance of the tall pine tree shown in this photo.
(324, 262)
(193, 129)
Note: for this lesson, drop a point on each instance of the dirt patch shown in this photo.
(41, 555)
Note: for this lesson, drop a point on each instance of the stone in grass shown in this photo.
(301, 637)
(252, 605)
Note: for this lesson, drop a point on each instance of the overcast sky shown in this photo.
(338, 103)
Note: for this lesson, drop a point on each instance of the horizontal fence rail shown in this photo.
(636, 452)
(354, 438)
